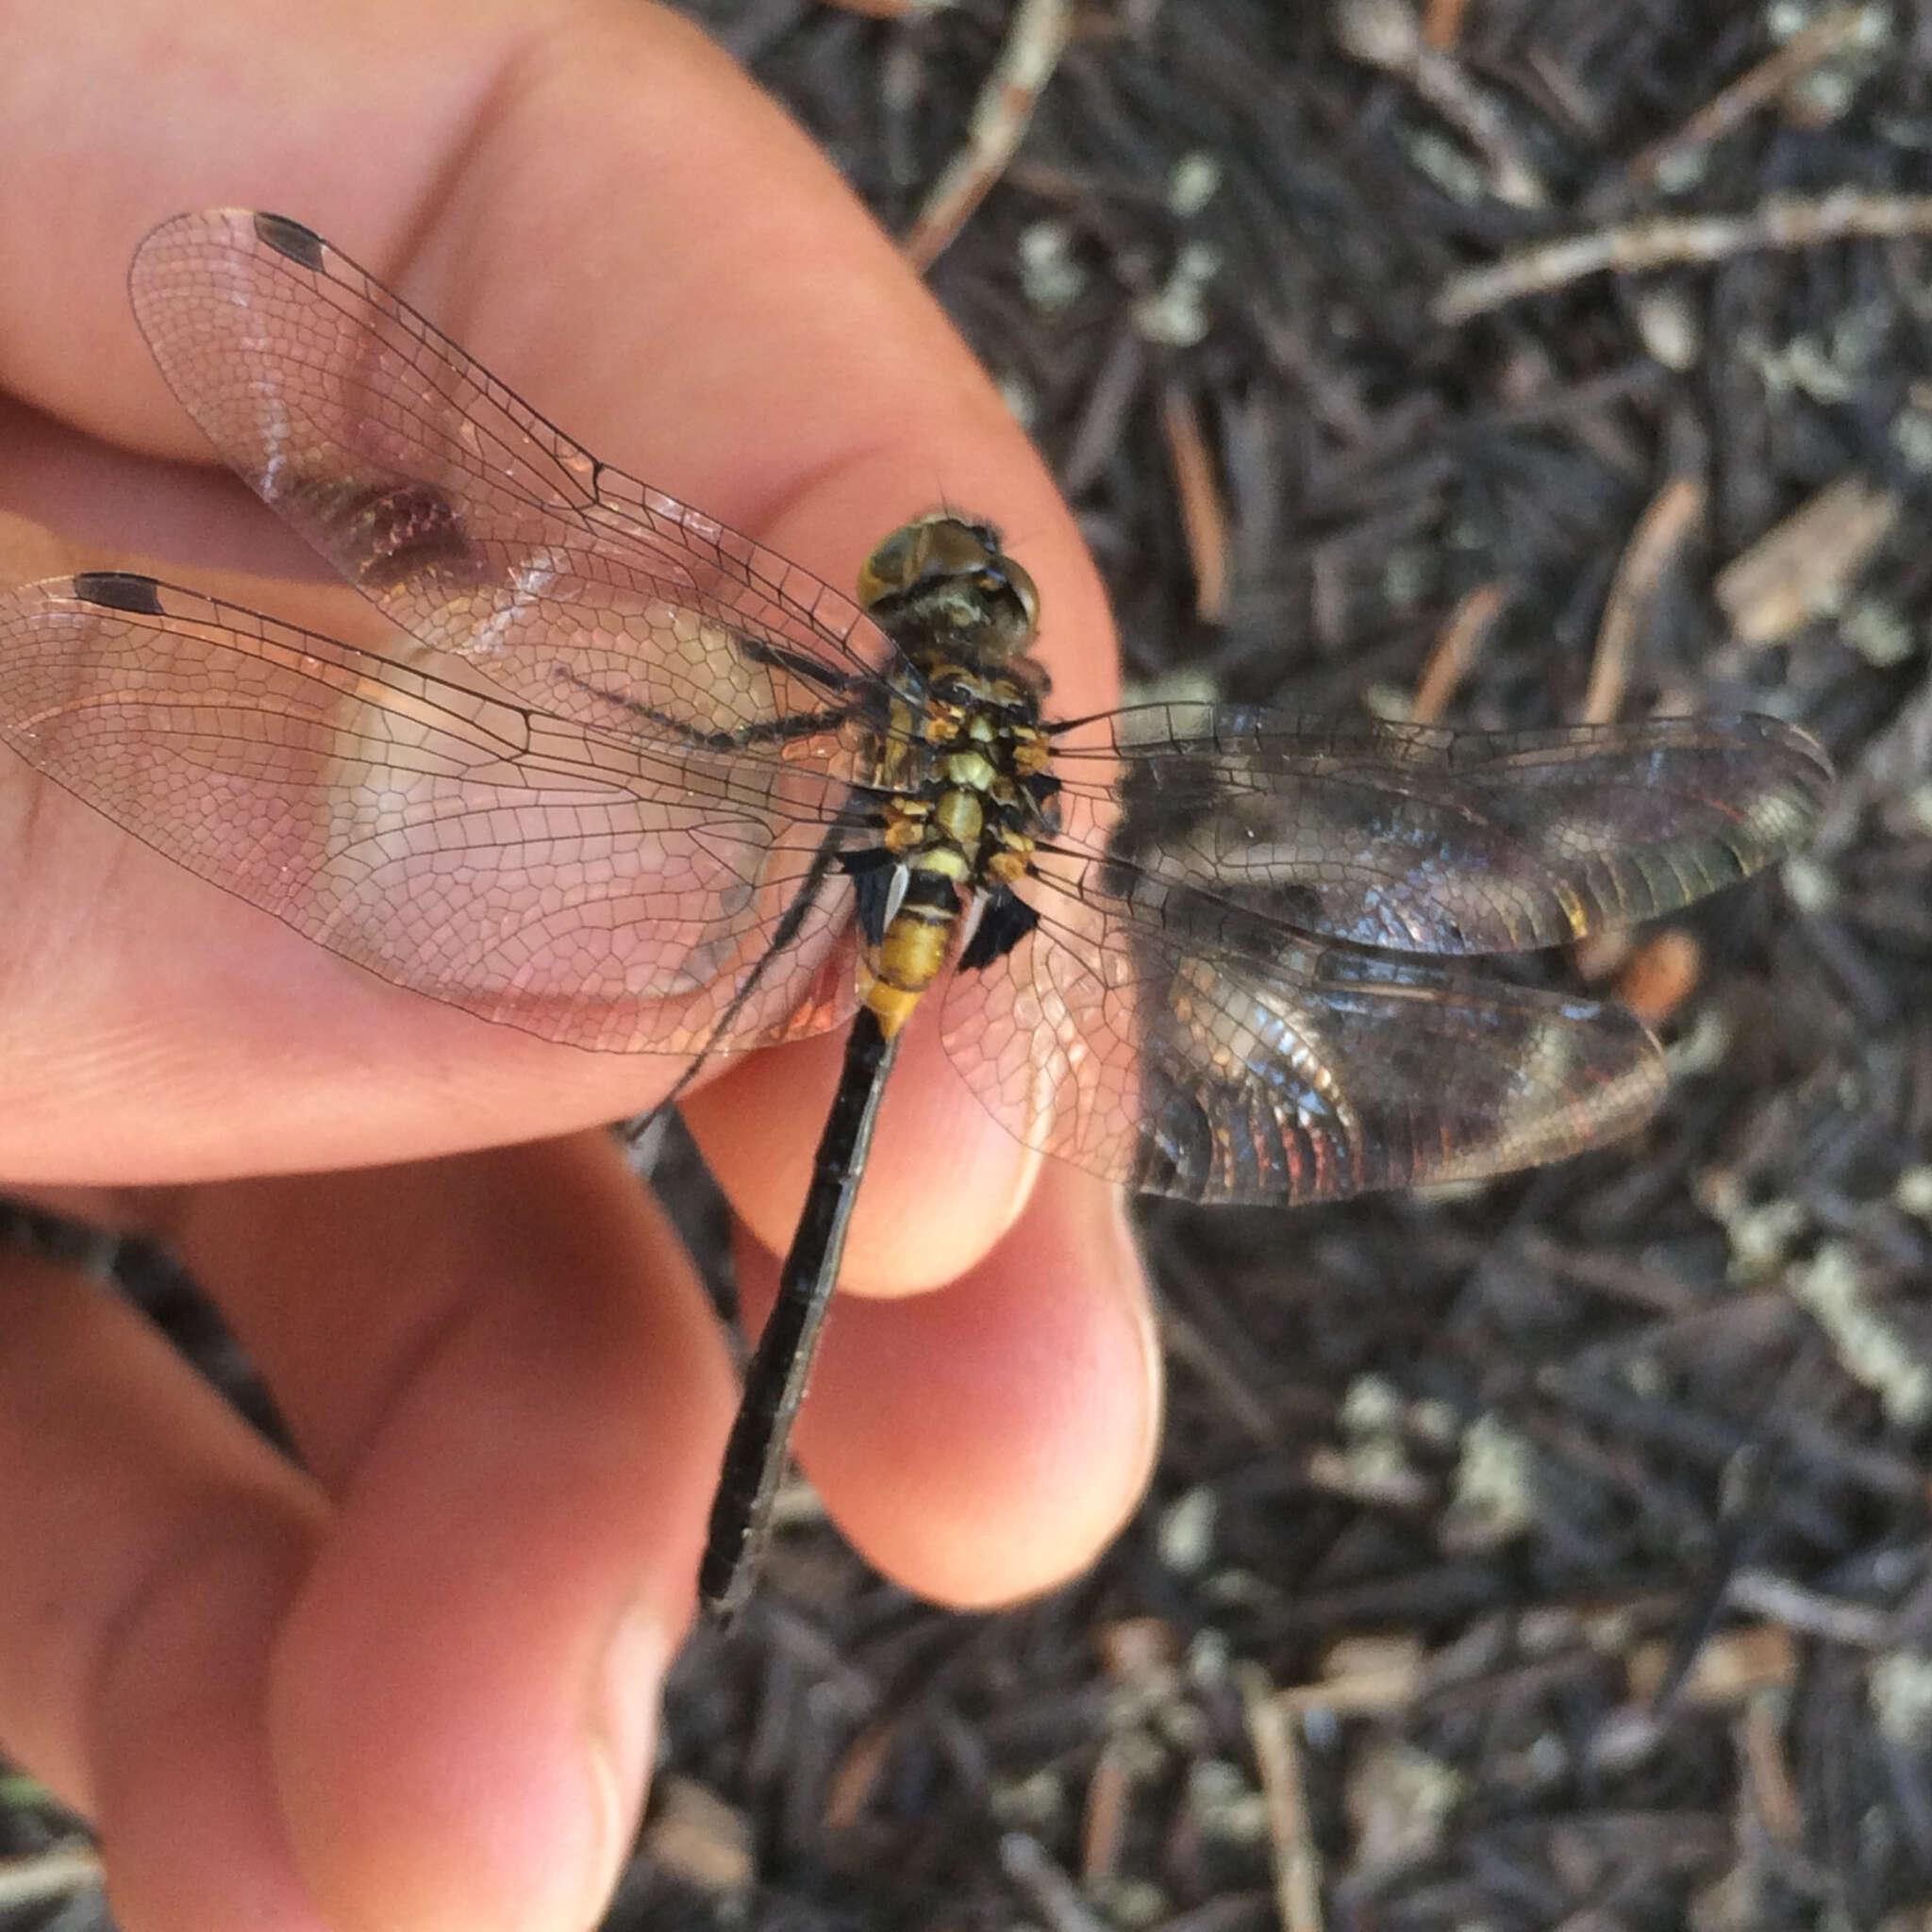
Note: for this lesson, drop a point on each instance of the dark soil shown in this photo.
(1676, 1666)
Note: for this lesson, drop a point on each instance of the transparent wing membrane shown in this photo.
(1179, 1068)
(602, 789)
(475, 525)
(580, 884)
(1225, 997)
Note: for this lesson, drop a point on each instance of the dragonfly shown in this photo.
(629, 781)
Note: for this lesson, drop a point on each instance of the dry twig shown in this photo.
(1455, 650)
(1767, 1776)
(53, 1874)
(1104, 1829)
(1800, 568)
(1368, 1675)
(1004, 110)
(1757, 87)
(857, 1774)
(1856, 1625)
(1661, 531)
(1202, 518)
(1667, 241)
(1048, 1890)
(695, 1833)
(1277, 1756)
(891, 9)
(1660, 974)
(1384, 34)
(1733, 1665)
(1443, 22)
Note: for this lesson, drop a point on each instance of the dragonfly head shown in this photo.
(945, 580)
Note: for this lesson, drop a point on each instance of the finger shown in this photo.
(986, 1441)
(743, 336)
(503, 1371)
(525, 1436)
(506, 1374)
(153, 1544)
(938, 1190)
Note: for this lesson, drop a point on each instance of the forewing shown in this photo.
(591, 888)
(473, 524)
(1242, 823)
(1183, 1069)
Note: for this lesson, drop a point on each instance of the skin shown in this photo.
(412, 1684)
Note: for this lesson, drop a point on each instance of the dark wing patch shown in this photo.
(302, 245)
(1321, 1073)
(1240, 824)
(118, 589)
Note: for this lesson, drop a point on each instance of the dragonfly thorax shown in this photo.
(960, 762)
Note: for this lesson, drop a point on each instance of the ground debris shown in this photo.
(1542, 1554)
(1804, 568)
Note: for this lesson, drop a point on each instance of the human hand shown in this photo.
(412, 1684)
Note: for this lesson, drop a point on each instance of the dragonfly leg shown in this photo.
(791, 923)
(764, 731)
(776, 658)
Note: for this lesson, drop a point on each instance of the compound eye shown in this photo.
(1024, 593)
(894, 566)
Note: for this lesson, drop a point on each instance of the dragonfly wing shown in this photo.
(1226, 996)
(588, 888)
(1181, 1069)
(1425, 840)
(473, 523)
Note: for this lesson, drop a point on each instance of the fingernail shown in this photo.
(622, 1731)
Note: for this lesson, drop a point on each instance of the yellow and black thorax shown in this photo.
(958, 766)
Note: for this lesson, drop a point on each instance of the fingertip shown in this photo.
(942, 1184)
(985, 1442)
